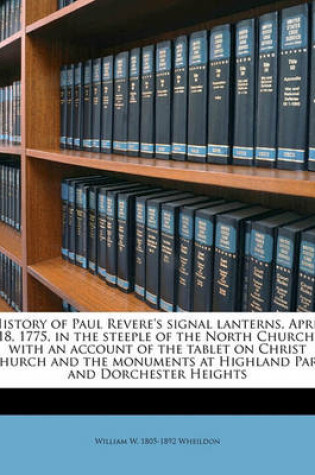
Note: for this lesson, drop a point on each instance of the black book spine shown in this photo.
(101, 235)
(198, 97)
(163, 100)
(92, 230)
(306, 280)
(311, 153)
(65, 219)
(246, 265)
(87, 107)
(70, 106)
(71, 222)
(152, 261)
(78, 106)
(97, 105)
(107, 105)
(111, 239)
(140, 248)
(293, 105)
(169, 260)
(204, 258)
(19, 112)
(80, 258)
(120, 133)
(63, 106)
(147, 128)
(220, 111)
(126, 241)
(245, 93)
(180, 99)
(186, 262)
(134, 103)
(267, 92)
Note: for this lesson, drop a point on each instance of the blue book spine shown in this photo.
(163, 100)
(220, 118)
(63, 107)
(245, 87)
(120, 132)
(97, 105)
(186, 262)
(70, 106)
(152, 255)
(101, 235)
(78, 106)
(246, 265)
(180, 99)
(311, 153)
(87, 107)
(140, 246)
(293, 89)
(147, 128)
(107, 105)
(134, 103)
(306, 281)
(92, 230)
(80, 236)
(65, 219)
(267, 93)
(198, 97)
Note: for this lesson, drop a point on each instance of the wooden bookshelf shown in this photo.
(4, 307)
(91, 28)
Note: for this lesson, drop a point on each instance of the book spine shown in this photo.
(19, 112)
(111, 239)
(65, 219)
(163, 100)
(78, 106)
(186, 263)
(245, 81)
(147, 128)
(97, 105)
(120, 139)
(180, 99)
(152, 260)
(311, 152)
(169, 261)
(92, 231)
(284, 285)
(71, 223)
(226, 266)
(293, 89)
(63, 107)
(80, 206)
(267, 96)
(261, 271)
(246, 266)
(204, 258)
(134, 104)
(101, 236)
(306, 280)
(198, 97)
(107, 105)
(220, 118)
(125, 240)
(70, 106)
(87, 107)
(140, 248)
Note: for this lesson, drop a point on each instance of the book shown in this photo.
(267, 92)
(153, 246)
(230, 240)
(293, 108)
(107, 104)
(78, 106)
(263, 255)
(87, 107)
(220, 112)
(311, 150)
(147, 127)
(287, 262)
(140, 244)
(70, 105)
(170, 250)
(180, 99)
(120, 128)
(97, 105)
(163, 100)
(198, 96)
(306, 278)
(134, 103)
(63, 106)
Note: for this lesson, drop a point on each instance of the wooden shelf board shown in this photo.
(4, 307)
(11, 243)
(10, 149)
(284, 182)
(86, 292)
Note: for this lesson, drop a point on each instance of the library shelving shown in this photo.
(90, 28)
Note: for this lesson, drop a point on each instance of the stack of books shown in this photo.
(10, 18)
(10, 114)
(10, 192)
(11, 283)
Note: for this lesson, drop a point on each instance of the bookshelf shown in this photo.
(89, 28)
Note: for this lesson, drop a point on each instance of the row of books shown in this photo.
(10, 114)
(241, 94)
(11, 283)
(181, 252)
(10, 18)
(64, 3)
(10, 192)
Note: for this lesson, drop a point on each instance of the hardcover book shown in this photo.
(163, 100)
(147, 127)
(107, 105)
(87, 107)
(78, 106)
(180, 99)
(306, 279)
(70, 106)
(63, 107)
(311, 152)
(134, 103)
(97, 105)
(120, 131)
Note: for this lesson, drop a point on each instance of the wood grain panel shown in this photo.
(4, 307)
(11, 243)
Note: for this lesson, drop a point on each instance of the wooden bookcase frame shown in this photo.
(88, 28)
